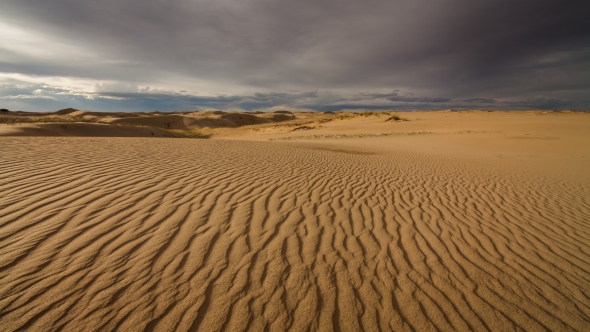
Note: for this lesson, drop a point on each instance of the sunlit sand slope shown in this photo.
(136, 234)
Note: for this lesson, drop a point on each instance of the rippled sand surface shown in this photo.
(149, 234)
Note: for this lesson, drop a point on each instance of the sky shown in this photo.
(182, 55)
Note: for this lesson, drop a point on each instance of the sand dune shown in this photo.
(66, 111)
(209, 120)
(79, 129)
(92, 124)
(163, 121)
(449, 231)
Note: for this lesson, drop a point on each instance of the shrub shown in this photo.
(395, 117)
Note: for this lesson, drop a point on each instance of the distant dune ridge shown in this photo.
(66, 111)
(450, 221)
(207, 123)
(36, 124)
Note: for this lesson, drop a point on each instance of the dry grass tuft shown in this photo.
(395, 117)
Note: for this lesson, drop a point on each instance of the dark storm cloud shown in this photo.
(528, 52)
(479, 100)
(42, 97)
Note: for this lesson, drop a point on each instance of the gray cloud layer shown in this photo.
(496, 54)
(45, 97)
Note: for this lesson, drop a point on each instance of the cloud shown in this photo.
(453, 51)
(116, 87)
(28, 97)
(420, 100)
(44, 97)
(479, 100)
(544, 102)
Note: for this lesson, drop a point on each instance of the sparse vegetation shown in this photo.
(367, 114)
(347, 116)
(395, 117)
(303, 128)
(207, 122)
(12, 120)
(332, 136)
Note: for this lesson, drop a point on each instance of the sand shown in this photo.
(449, 221)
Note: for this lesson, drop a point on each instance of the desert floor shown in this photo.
(450, 221)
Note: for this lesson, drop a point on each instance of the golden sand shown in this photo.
(449, 221)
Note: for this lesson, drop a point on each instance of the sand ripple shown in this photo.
(171, 234)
